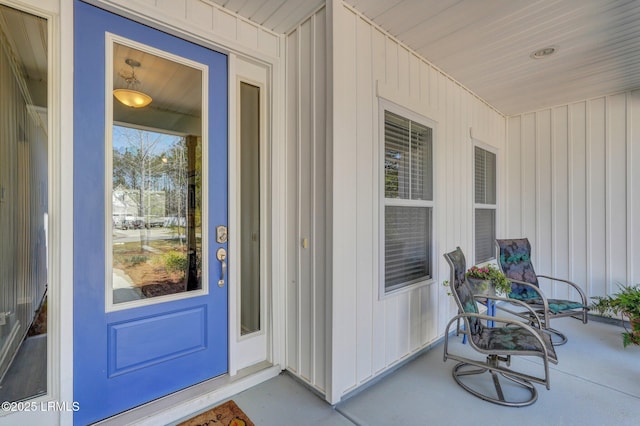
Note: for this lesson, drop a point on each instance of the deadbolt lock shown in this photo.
(221, 234)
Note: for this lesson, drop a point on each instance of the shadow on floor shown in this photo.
(596, 382)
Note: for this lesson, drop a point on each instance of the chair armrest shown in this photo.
(537, 290)
(570, 283)
(513, 302)
(534, 332)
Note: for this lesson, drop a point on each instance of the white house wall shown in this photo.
(203, 20)
(572, 182)
(306, 201)
(341, 314)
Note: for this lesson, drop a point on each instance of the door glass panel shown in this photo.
(156, 176)
(250, 208)
(24, 206)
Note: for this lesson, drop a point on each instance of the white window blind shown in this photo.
(408, 187)
(407, 245)
(485, 204)
(485, 176)
(485, 234)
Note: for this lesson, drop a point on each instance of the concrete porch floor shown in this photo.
(596, 382)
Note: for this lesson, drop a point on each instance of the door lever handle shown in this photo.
(221, 255)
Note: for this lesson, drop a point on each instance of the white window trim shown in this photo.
(387, 105)
(110, 40)
(487, 147)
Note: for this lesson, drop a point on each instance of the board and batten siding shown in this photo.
(306, 215)
(340, 333)
(572, 185)
(202, 20)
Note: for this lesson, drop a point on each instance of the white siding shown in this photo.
(203, 20)
(576, 198)
(306, 201)
(369, 334)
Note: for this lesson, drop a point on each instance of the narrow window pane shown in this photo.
(156, 177)
(490, 159)
(250, 208)
(485, 193)
(421, 163)
(485, 176)
(407, 245)
(397, 160)
(485, 234)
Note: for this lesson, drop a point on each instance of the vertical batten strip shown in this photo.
(629, 183)
(536, 188)
(554, 195)
(588, 141)
(354, 23)
(312, 198)
(570, 198)
(521, 168)
(607, 195)
(298, 115)
(374, 208)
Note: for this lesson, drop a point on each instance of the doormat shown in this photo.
(227, 414)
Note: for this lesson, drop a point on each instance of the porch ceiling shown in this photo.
(486, 44)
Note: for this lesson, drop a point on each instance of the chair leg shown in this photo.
(557, 337)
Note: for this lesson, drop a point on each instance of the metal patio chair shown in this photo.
(509, 337)
(514, 259)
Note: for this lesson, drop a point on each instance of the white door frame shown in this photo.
(143, 12)
(246, 351)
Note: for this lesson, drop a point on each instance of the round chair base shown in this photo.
(557, 338)
(463, 369)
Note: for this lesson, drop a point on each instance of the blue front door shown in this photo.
(150, 211)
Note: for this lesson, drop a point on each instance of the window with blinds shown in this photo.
(485, 204)
(408, 201)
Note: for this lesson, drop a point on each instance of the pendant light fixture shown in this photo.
(130, 97)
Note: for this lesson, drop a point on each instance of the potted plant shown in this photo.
(626, 303)
(488, 278)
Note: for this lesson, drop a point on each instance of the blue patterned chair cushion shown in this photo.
(512, 339)
(555, 305)
(462, 289)
(515, 261)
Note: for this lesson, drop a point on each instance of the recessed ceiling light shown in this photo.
(544, 52)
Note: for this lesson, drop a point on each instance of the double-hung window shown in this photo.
(408, 201)
(484, 204)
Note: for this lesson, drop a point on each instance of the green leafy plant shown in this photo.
(136, 260)
(626, 303)
(490, 273)
(175, 262)
(446, 284)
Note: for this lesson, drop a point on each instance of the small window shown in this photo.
(408, 201)
(484, 204)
